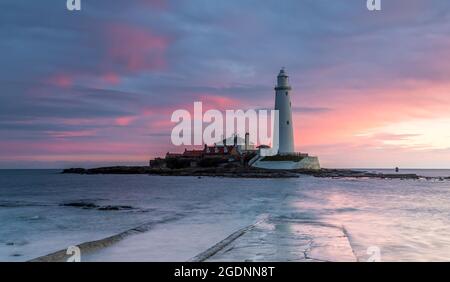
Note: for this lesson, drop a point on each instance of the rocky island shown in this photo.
(244, 172)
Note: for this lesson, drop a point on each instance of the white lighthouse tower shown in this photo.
(282, 155)
(283, 105)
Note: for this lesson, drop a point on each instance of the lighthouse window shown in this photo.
(286, 93)
(287, 122)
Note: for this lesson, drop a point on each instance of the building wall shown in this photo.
(307, 163)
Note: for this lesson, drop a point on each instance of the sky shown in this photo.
(98, 86)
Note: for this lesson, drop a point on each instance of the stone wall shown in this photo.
(306, 163)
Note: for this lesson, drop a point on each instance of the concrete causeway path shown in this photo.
(269, 239)
(274, 240)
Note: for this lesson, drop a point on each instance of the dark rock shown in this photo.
(343, 173)
(114, 208)
(75, 170)
(241, 172)
(81, 205)
(84, 205)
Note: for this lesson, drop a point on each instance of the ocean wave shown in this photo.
(16, 243)
(298, 216)
(19, 204)
(89, 205)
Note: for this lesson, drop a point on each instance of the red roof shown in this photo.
(193, 153)
(173, 155)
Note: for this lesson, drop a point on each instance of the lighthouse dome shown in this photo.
(282, 72)
(283, 79)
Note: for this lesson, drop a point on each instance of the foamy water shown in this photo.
(45, 211)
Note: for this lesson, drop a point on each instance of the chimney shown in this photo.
(247, 140)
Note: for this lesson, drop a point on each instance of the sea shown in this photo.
(44, 211)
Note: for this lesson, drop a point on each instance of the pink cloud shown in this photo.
(161, 125)
(61, 80)
(209, 101)
(124, 121)
(71, 134)
(135, 48)
(354, 111)
(218, 102)
(111, 78)
(68, 150)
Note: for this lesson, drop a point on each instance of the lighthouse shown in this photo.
(284, 107)
(282, 155)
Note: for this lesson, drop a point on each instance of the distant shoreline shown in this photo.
(245, 172)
